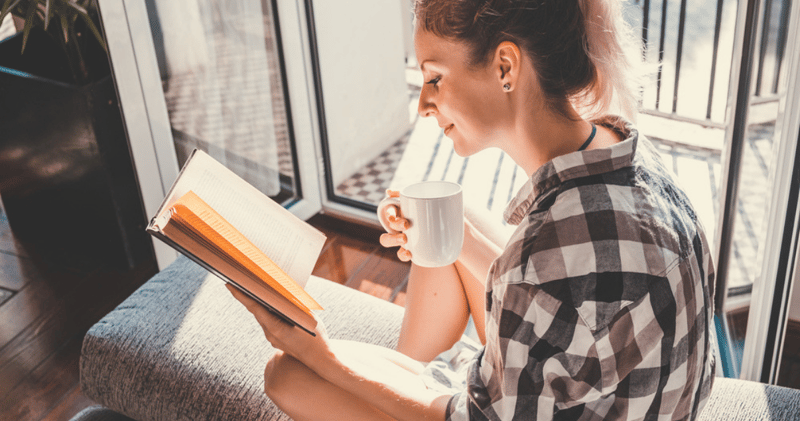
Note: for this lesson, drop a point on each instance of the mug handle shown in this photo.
(382, 217)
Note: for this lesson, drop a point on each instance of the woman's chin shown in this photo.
(465, 149)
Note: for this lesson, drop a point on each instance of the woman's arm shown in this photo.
(478, 252)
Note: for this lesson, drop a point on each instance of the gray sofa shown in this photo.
(181, 348)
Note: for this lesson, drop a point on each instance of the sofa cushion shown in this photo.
(182, 348)
(742, 400)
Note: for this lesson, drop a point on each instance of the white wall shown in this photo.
(362, 61)
(7, 27)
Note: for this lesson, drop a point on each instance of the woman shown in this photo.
(600, 305)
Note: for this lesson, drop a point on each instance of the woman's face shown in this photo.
(468, 103)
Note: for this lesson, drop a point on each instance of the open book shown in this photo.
(241, 235)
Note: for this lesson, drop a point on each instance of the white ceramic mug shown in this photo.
(435, 211)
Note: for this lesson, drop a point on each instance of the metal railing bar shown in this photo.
(447, 164)
(717, 30)
(463, 170)
(494, 181)
(758, 100)
(762, 88)
(679, 55)
(783, 33)
(661, 49)
(735, 151)
(433, 156)
(762, 53)
(645, 27)
(677, 117)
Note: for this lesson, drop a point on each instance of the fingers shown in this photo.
(265, 318)
(394, 215)
(398, 223)
(248, 302)
(393, 240)
(271, 324)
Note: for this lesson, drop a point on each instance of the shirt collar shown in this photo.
(575, 165)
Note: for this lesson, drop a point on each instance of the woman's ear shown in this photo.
(507, 61)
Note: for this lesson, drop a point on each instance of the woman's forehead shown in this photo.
(431, 48)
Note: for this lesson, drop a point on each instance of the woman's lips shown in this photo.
(448, 128)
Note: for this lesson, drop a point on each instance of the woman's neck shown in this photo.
(539, 136)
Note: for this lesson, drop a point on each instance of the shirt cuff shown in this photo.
(457, 408)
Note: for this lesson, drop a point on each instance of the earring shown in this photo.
(507, 87)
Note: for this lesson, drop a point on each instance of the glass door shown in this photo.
(365, 103)
(756, 234)
(215, 75)
(770, 352)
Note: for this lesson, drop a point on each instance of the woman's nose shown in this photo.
(426, 107)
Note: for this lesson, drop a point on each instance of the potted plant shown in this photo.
(64, 21)
(66, 176)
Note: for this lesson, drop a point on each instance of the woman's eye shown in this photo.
(434, 81)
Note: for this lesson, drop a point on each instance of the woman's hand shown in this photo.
(399, 224)
(283, 336)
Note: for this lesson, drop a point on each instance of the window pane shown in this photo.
(223, 84)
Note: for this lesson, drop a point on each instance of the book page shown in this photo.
(290, 242)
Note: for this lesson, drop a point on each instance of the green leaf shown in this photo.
(65, 28)
(7, 7)
(77, 7)
(26, 30)
(96, 32)
(47, 13)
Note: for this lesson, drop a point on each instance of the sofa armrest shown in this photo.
(182, 348)
(742, 400)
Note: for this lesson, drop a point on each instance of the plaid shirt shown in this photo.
(601, 305)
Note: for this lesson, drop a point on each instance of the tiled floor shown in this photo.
(370, 182)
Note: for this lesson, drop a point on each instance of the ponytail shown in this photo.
(608, 38)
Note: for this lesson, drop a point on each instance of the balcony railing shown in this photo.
(691, 82)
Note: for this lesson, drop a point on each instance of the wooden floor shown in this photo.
(45, 310)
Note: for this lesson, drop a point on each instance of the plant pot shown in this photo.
(66, 176)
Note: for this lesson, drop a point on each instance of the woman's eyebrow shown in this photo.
(430, 60)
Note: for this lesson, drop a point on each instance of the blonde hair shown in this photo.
(611, 48)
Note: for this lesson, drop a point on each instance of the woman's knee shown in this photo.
(281, 376)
